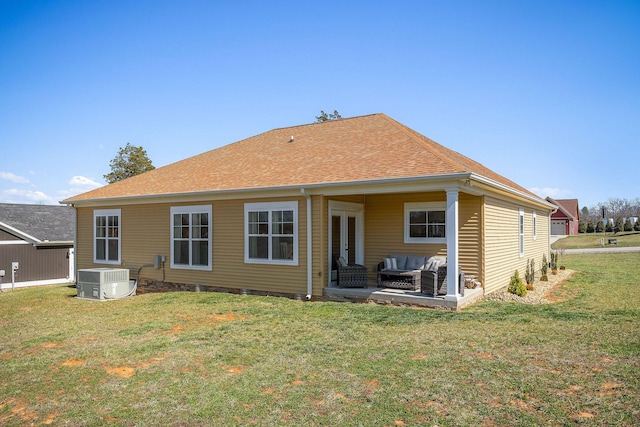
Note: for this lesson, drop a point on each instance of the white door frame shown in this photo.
(346, 209)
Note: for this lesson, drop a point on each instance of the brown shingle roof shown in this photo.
(349, 150)
(568, 206)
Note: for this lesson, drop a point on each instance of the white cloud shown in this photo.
(554, 193)
(14, 195)
(84, 182)
(13, 178)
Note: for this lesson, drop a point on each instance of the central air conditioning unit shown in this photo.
(105, 283)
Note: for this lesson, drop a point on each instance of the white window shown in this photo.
(535, 226)
(521, 231)
(425, 222)
(106, 236)
(191, 246)
(271, 233)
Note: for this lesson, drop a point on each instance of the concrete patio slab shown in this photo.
(402, 297)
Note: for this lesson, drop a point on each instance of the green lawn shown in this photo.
(201, 359)
(594, 240)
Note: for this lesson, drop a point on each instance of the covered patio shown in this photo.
(388, 229)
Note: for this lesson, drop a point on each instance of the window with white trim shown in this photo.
(271, 233)
(521, 231)
(535, 226)
(425, 222)
(106, 236)
(191, 245)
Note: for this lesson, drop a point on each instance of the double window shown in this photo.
(106, 236)
(425, 222)
(191, 237)
(271, 233)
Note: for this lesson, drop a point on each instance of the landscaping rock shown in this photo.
(540, 293)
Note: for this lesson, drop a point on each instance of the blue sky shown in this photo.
(546, 93)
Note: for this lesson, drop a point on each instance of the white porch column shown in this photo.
(452, 246)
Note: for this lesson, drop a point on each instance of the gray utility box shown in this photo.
(103, 283)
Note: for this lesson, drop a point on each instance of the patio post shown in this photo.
(452, 245)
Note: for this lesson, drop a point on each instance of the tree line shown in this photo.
(614, 215)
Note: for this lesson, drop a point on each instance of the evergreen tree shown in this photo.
(129, 161)
(609, 228)
(582, 227)
(324, 117)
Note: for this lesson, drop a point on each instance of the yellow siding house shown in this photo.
(270, 214)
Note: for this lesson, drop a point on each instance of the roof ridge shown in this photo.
(321, 123)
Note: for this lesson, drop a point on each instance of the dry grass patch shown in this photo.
(218, 359)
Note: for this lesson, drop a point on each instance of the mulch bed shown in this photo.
(543, 292)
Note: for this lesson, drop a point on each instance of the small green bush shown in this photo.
(545, 265)
(516, 286)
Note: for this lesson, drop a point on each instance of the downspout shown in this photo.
(74, 273)
(309, 246)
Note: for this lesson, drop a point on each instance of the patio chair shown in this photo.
(436, 284)
(351, 275)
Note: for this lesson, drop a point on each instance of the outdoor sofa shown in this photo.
(424, 274)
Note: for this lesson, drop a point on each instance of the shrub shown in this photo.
(627, 225)
(609, 227)
(516, 286)
(590, 227)
(530, 274)
(554, 261)
(582, 227)
(636, 227)
(545, 265)
(600, 227)
(619, 225)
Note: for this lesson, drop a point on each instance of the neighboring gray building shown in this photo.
(40, 239)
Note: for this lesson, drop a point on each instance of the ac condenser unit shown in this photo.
(104, 283)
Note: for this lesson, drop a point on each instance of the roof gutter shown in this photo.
(47, 243)
(309, 246)
(483, 180)
(325, 188)
(316, 188)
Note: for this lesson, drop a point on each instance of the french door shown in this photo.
(346, 236)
